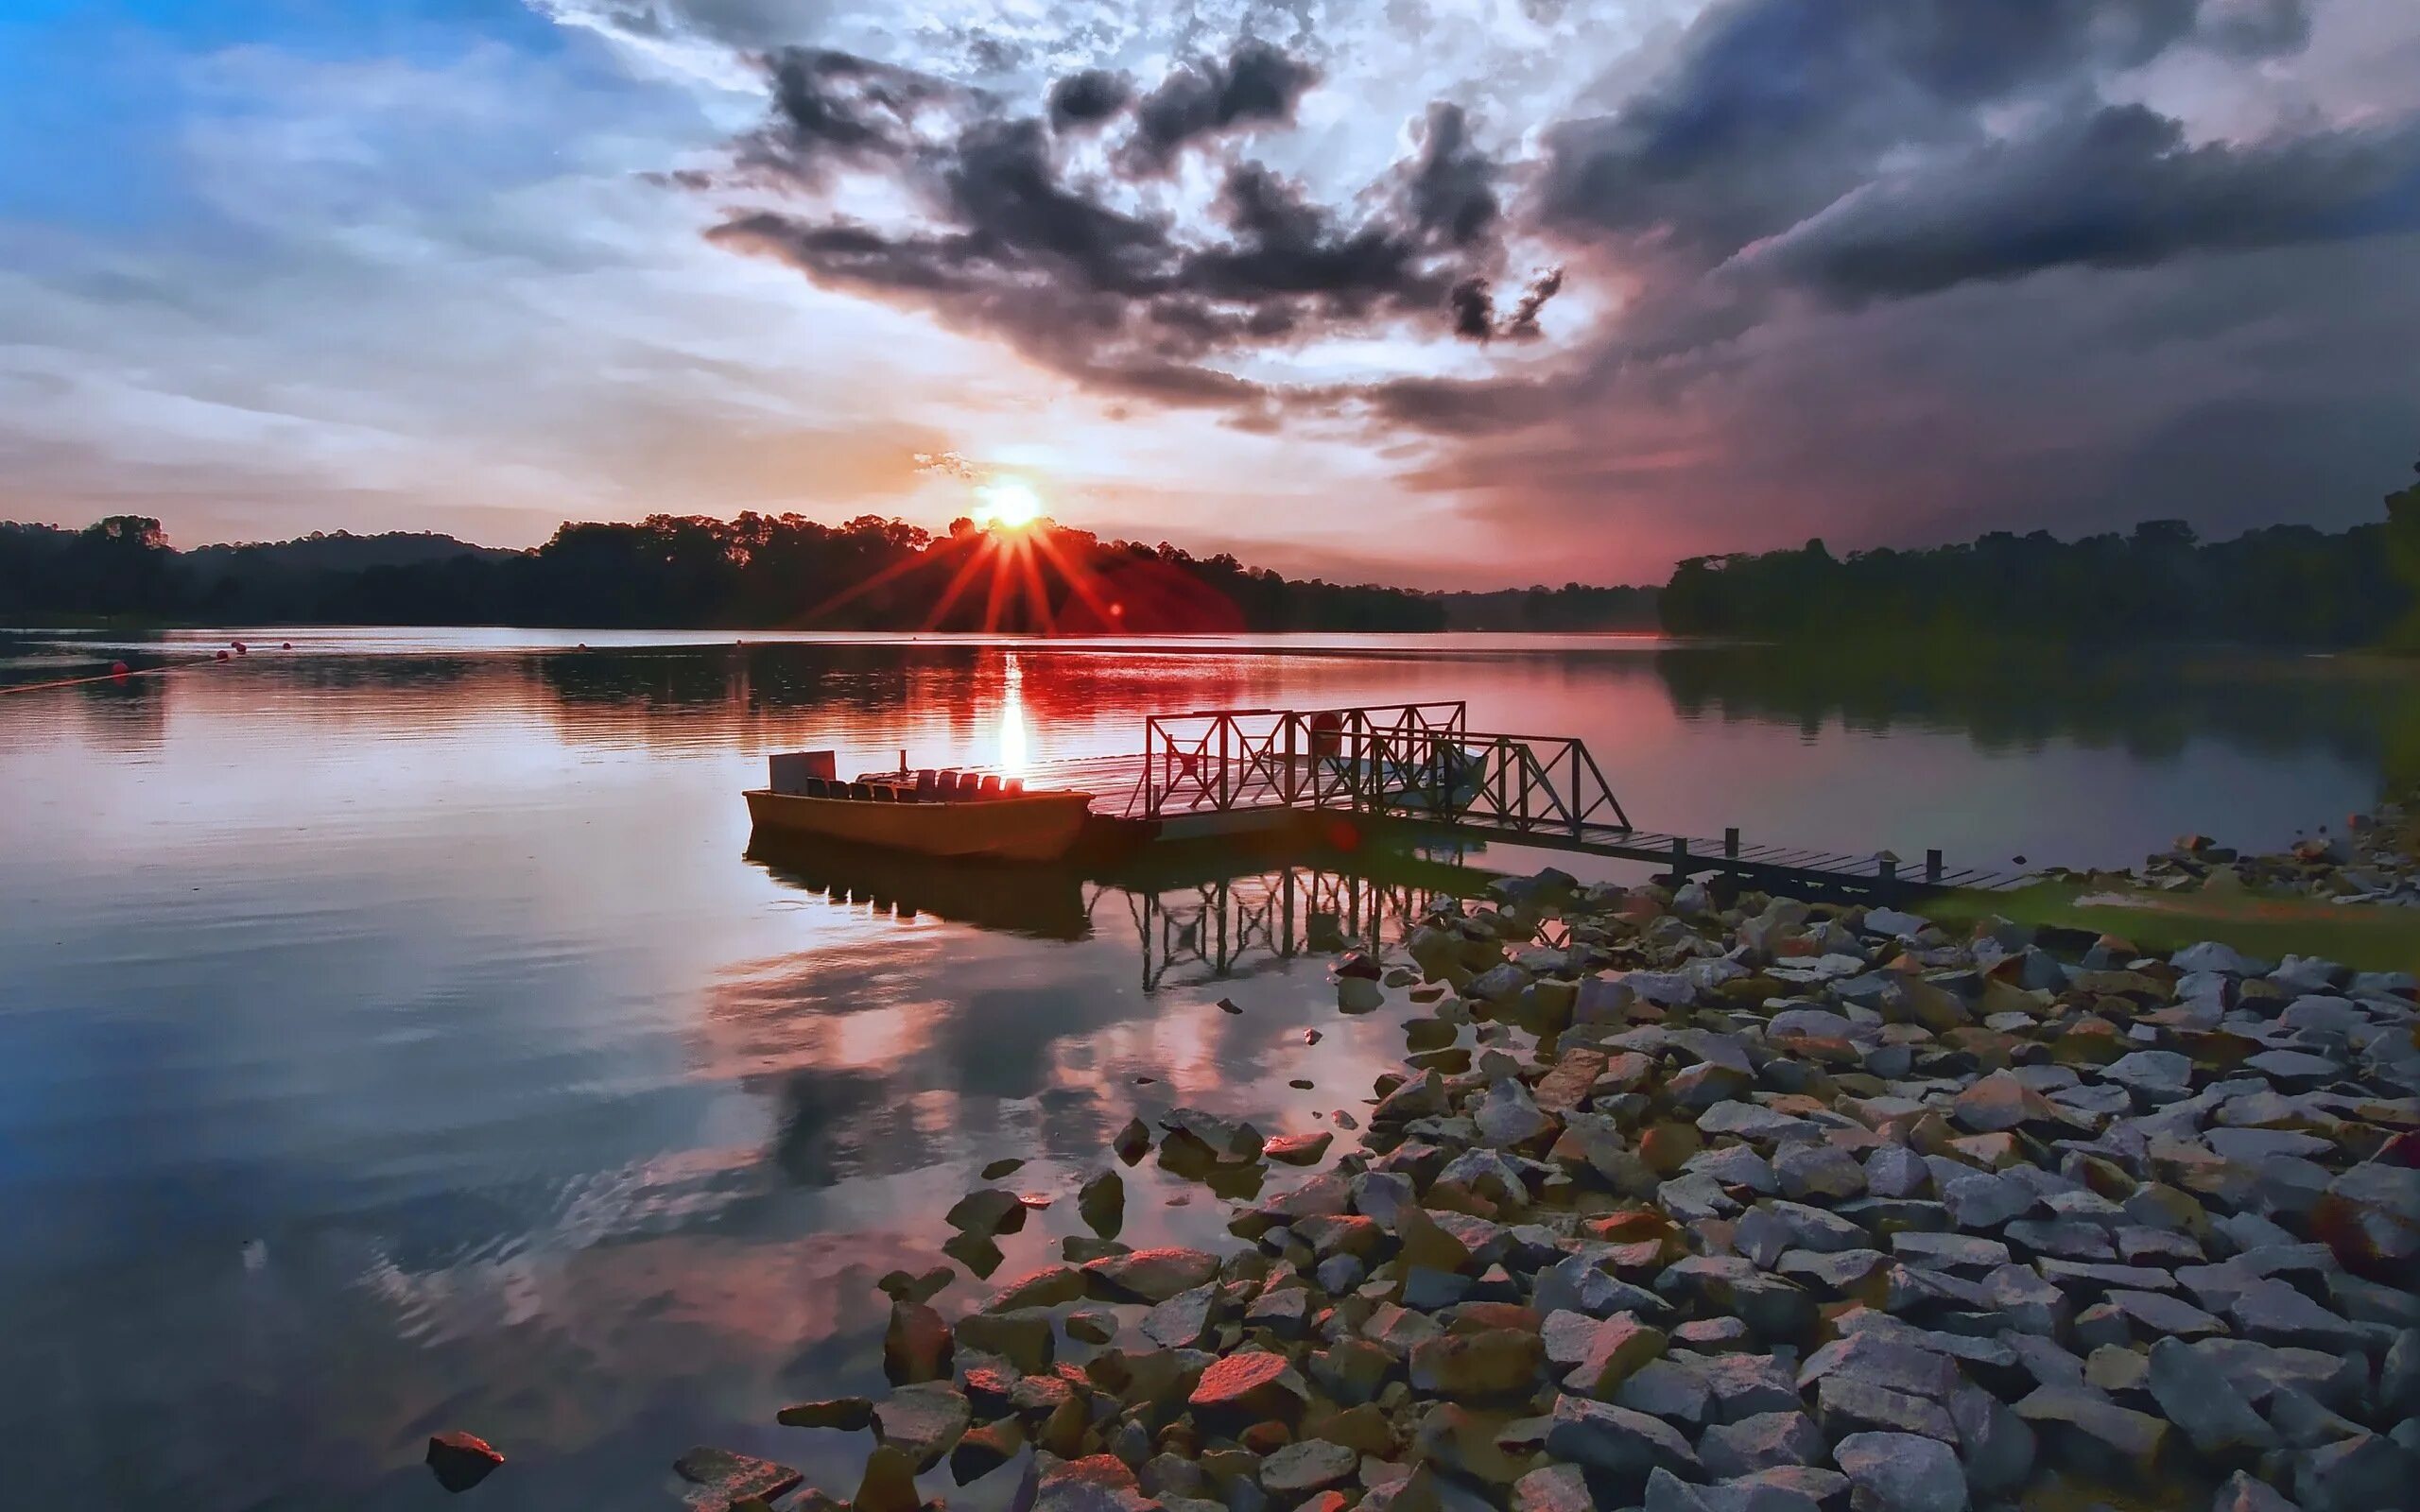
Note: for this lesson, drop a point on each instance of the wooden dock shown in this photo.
(1244, 773)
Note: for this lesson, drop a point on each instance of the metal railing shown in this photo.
(1410, 760)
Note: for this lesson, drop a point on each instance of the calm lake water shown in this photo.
(395, 1034)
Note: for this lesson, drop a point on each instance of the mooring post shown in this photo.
(1885, 865)
(1731, 842)
(1932, 865)
(1681, 857)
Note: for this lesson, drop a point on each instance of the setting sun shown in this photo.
(1008, 505)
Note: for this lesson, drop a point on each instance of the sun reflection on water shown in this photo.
(1013, 748)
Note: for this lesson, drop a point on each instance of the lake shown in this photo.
(396, 1034)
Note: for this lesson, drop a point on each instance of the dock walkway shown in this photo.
(1236, 772)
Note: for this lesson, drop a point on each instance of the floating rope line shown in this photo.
(120, 672)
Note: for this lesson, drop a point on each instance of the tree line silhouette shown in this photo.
(755, 572)
(2283, 585)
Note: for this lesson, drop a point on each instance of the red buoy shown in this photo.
(222, 656)
(119, 669)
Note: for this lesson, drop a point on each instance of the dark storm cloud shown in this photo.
(1472, 302)
(1776, 107)
(1452, 181)
(836, 109)
(1088, 98)
(1011, 242)
(1255, 85)
(2117, 188)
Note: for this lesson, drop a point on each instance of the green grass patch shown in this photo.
(2269, 926)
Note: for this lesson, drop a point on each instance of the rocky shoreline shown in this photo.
(1738, 1205)
(2374, 861)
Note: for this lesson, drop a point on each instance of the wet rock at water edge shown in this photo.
(848, 1413)
(1102, 1203)
(917, 1346)
(459, 1460)
(923, 1421)
(719, 1478)
(987, 1212)
(1150, 1274)
(1299, 1149)
(1133, 1140)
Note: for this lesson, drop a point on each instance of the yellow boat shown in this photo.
(933, 814)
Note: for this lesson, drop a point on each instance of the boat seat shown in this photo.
(817, 788)
(863, 792)
(1010, 785)
(991, 787)
(884, 793)
(928, 788)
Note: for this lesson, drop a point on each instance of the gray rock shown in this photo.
(1825, 1172)
(1752, 1121)
(1901, 1472)
(1895, 1171)
(1744, 1386)
(923, 1421)
(2260, 1371)
(1737, 1165)
(1508, 1115)
(1949, 1251)
(2154, 1076)
(1885, 1362)
(1616, 1439)
(1985, 1201)
(2399, 1375)
(2133, 1436)
(1180, 1322)
(2366, 1473)
(2209, 956)
(1581, 1284)
(2273, 1311)
(1760, 1442)
(1671, 1388)
(1848, 1404)
(2158, 1315)
(1312, 1465)
(2294, 1070)
(2203, 1404)
(1993, 1442)
(1834, 1272)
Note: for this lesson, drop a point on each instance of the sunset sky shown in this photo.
(1440, 292)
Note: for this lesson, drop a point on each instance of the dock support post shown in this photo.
(1887, 867)
(1932, 865)
(1731, 842)
(1681, 858)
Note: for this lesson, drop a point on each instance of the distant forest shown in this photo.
(756, 571)
(2284, 585)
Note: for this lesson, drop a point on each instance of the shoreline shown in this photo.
(1704, 1209)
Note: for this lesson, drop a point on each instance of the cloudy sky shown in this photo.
(1448, 292)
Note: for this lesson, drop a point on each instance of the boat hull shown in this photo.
(1018, 826)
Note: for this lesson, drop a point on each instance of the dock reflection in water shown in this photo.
(1196, 916)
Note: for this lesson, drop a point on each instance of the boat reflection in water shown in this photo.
(1035, 900)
